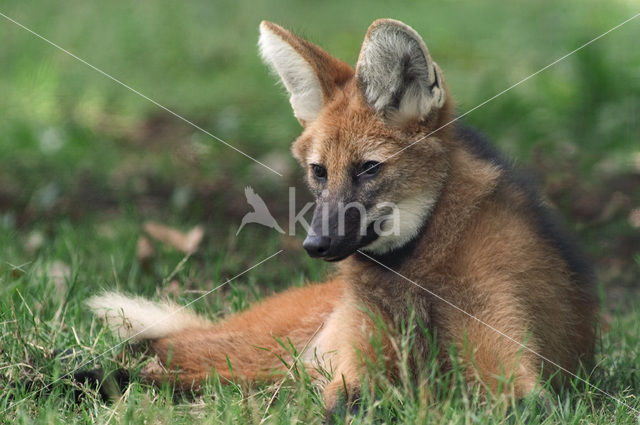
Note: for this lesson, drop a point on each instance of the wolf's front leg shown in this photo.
(347, 345)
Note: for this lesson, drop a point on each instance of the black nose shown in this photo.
(317, 246)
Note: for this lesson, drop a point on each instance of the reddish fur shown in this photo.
(480, 252)
(249, 340)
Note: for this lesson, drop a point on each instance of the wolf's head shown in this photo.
(374, 188)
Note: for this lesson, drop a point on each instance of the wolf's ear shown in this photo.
(309, 74)
(396, 74)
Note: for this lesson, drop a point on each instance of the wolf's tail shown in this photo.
(247, 345)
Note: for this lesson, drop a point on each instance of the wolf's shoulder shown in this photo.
(545, 219)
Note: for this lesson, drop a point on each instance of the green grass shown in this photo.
(84, 162)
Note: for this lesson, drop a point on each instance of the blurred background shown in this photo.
(85, 163)
(102, 189)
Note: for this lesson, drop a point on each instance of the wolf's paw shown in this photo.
(342, 404)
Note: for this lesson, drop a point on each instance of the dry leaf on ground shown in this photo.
(184, 242)
(144, 249)
(58, 272)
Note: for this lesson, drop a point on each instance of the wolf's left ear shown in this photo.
(396, 74)
(309, 74)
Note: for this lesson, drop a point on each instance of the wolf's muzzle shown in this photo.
(336, 232)
(317, 246)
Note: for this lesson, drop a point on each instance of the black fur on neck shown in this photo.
(396, 257)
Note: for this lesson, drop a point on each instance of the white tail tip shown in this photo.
(138, 318)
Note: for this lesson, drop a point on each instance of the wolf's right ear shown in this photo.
(396, 74)
(309, 74)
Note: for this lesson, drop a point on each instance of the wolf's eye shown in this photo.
(370, 168)
(319, 171)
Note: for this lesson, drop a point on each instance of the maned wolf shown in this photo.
(471, 231)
